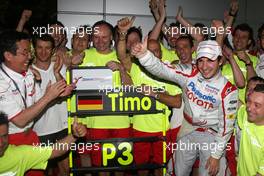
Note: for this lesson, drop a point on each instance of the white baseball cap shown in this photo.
(209, 49)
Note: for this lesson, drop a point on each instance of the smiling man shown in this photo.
(210, 106)
(20, 96)
(250, 159)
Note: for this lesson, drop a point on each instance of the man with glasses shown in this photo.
(20, 96)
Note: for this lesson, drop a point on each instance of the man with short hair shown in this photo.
(21, 97)
(48, 128)
(250, 159)
(210, 106)
(243, 37)
(103, 54)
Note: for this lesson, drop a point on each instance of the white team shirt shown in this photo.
(55, 117)
(11, 99)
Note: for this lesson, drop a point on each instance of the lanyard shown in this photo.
(17, 88)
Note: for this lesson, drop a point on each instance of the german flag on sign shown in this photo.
(92, 102)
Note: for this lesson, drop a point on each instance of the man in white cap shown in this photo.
(210, 107)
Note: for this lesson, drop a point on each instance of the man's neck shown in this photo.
(104, 52)
(261, 123)
(43, 65)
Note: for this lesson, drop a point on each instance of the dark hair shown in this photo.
(3, 118)
(83, 28)
(8, 40)
(44, 37)
(260, 30)
(256, 79)
(259, 88)
(177, 24)
(245, 28)
(187, 37)
(136, 30)
(201, 25)
(102, 22)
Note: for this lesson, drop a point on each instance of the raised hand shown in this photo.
(227, 52)
(233, 7)
(161, 9)
(179, 13)
(58, 64)
(55, 90)
(125, 23)
(242, 55)
(153, 6)
(26, 14)
(140, 49)
(77, 59)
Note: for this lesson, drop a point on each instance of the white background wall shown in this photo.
(78, 12)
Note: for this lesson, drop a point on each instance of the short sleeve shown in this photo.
(36, 157)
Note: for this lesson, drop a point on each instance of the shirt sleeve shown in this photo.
(37, 157)
(228, 109)
(241, 116)
(178, 74)
(8, 102)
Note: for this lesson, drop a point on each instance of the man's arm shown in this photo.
(123, 26)
(198, 37)
(79, 130)
(173, 101)
(243, 56)
(178, 74)
(29, 114)
(57, 68)
(26, 14)
(238, 75)
(155, 33)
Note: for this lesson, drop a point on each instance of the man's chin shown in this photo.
(250, 119)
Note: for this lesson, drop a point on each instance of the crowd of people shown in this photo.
(212, 103)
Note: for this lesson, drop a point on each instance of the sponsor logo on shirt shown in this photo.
(233, 102)
(196, 96)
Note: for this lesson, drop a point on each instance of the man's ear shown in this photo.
(8, 55)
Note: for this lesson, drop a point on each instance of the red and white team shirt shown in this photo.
(14, 101)
(208, 103)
